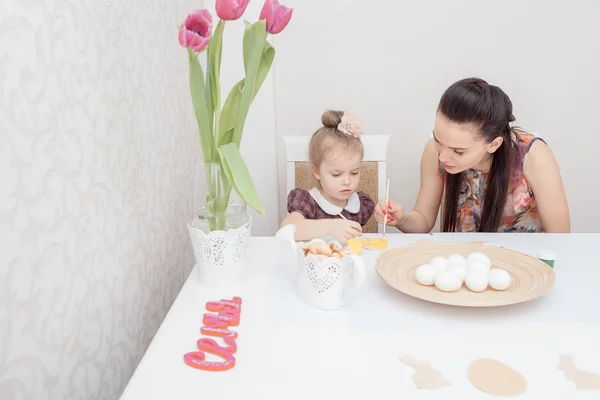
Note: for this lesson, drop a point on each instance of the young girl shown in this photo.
(336, 153)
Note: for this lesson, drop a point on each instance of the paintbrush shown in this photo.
(341, 215)
(387, 200)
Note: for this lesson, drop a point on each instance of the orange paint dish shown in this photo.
(356, 245)
(375, 244)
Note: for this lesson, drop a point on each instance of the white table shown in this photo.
(288, 350)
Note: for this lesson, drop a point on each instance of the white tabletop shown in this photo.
(288, 350)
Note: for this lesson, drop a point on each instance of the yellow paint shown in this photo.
(376, 244)
(355, 245)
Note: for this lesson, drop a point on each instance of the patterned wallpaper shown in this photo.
(97, 152)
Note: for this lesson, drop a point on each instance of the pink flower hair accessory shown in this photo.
(351, 125)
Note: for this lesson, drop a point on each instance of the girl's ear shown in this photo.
(495, 144)
(316, 173)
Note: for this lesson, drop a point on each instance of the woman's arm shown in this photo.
(424, 214)
(543, 175)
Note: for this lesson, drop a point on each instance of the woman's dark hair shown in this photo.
(486, 107)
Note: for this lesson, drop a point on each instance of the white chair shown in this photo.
(373, 172)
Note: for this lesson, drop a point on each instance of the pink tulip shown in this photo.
(194, 32)
(277, 16)
(230, 10)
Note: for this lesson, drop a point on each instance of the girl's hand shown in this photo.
(343, 230)
(394, 213)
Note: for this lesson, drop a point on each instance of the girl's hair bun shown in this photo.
(332, 118)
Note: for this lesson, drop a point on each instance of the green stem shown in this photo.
(218, 100)
(209, 200)
(217, 82)
(216, 203)
(217, 120)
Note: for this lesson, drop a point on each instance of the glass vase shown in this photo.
(219, 230)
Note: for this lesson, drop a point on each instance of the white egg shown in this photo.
(425, 274)
(479, 266)
(459, 270)
(476, 280)
(447, 281)
(456, 259)
(478, 256)
(499, 279)
(439, 263)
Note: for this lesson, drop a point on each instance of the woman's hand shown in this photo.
(394, 213)
(343, 230)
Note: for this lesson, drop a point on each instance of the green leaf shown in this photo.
(214, 55)
(256, 42)
(200, 102)
(266, 60)
(229, 114)
(227, 137)
(237, 173)
(247, 26)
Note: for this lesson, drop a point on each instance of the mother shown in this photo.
(492, 177)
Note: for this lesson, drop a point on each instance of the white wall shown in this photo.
(390, 61)
(259, 145)
(97, 150)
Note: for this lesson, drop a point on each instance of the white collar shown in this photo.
(353, 205)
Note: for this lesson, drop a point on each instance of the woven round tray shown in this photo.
(531, 277)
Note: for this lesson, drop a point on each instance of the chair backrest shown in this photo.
(373, 172)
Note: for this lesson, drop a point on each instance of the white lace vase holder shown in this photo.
(220, 255)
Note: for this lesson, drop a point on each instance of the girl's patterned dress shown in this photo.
(312, 205)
